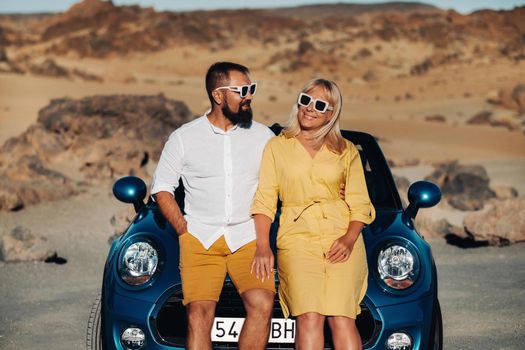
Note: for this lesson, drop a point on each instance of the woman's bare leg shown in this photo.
(344, 333)
(310, 331)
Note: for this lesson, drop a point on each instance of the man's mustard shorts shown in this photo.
(203, 271)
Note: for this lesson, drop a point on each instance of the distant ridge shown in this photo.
(94, 28)
(349, 9)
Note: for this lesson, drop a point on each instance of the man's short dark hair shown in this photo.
(219, 75)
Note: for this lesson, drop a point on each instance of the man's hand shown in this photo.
(171, 211)
(262, 263)
(182, 226)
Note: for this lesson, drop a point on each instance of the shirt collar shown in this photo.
(217, 130)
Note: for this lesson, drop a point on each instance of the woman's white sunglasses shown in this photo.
(241, 90)
(320, 106)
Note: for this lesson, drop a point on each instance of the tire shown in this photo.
(436, 332)
(93, 334)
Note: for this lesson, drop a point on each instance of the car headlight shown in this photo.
(397, 266)
(138, 263)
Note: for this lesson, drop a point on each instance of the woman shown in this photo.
(322, 258)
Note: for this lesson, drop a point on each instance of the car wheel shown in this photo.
(93, 336)
(436, 332)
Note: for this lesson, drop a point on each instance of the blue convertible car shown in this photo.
(140, 306)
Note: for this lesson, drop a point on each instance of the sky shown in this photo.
(31, 6)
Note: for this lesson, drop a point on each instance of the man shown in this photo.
(217, 156)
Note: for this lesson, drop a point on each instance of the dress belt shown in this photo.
(308, 205)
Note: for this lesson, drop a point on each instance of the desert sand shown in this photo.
(481, 290)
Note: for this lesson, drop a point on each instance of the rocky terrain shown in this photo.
(77, 143)
(95, 28)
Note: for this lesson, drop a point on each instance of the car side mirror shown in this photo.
(421, 194)
(130, 189)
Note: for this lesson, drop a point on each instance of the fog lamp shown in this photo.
(399, 341)
(133, 338)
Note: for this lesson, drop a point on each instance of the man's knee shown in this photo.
(200, 315)
(258, 302)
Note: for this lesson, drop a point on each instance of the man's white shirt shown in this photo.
(220, 173)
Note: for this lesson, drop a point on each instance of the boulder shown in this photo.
(402, 184)
(362, 54)
(28, 181)
(107, 136)
(458, 237)
(370, 75)
(428, 226)
(436, 118)
(518, 95)
(510, 97)
(465, 187)
(120, 222)
(304, 47)
(22, 245)
(6, 64)
(49, 68)
(482, 118)
(506, 99)
(405, 162)
(504, 192)
(421, 68)
(488, 118)
(3, 55)
(9, 199)
(501, 223)
(31, 169)
(493, 97)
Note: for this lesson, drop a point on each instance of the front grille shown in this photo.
(170, 323)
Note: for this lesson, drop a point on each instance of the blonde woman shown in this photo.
(322, 259)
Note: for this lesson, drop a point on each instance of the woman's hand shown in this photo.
(342, 187)
(341, 249)
(263, 262)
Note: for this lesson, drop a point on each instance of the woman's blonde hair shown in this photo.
(330, 133)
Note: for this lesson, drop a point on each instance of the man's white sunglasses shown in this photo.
(242, 90)
(320, 106)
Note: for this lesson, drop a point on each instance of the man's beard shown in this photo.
(243, 118)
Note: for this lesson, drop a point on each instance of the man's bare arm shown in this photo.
(171, 211)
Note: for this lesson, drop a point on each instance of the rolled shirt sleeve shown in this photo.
(265, 201)
(169, 169)
(356, 192)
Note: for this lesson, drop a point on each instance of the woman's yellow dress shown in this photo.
(312, 218)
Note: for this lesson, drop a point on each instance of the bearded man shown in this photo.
(217, 156)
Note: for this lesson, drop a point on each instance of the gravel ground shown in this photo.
(482, 295)
(46, 306)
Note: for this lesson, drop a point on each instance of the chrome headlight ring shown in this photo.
(138, 262)
(398, 265)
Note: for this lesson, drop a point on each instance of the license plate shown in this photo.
(228, 329)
